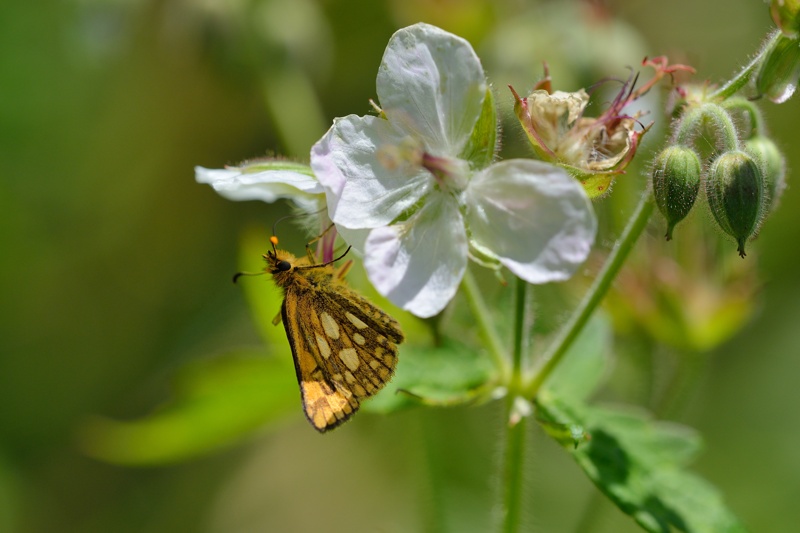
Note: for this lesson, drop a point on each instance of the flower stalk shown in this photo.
(480, 311)
(516, 422)
(740, 80)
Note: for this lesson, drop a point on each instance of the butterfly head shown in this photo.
(279, 262)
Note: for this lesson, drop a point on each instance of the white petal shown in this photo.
(364, 188)
(267, 186)
(419, 263)
(354, 237)
(533, 216)
(431, 85)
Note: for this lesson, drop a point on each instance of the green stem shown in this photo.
(480, 311)
(519, 337)
(741, 79)
(516, 424)
(723, 127)
(512, 490)
(595, 294)
(754, 115)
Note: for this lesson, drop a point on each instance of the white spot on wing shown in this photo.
(359, 339)
(329, 325)
(349, 357)
(355, 320)
(324, 348)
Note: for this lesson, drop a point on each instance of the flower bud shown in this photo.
(676, 181)
(786, 15)
(735, 192)
(773, 167)
(779, 73)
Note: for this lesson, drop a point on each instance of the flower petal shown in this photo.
(267, 186)
(354, 238)
(431, 85)
(419, 263)
(533, 216)
(365, 188)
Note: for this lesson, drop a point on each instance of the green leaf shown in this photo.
(216, 402)
(482, 144)
(638, 463)
(585, 363)
(448, 374)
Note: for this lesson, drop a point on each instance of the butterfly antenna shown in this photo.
(324, 264)
(340, 257)
(240, 274)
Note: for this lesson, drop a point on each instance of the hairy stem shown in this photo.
(513, 474)
(485, 325)
(516, 423)
(741, 79)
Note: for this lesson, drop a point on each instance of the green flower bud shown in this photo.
(735, 192)
(786, 14)
(676, 180)
(773, 167)
(779, 73)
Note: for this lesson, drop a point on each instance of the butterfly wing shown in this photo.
(344, 348)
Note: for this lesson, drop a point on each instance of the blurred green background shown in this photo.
(116, 265)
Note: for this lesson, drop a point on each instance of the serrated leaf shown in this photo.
(216, 402)
(480, 148)
(638, 463)
(585, 364)
(449, 374)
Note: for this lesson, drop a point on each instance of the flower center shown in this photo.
(450, 173)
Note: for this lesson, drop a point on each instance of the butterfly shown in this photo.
(344, 347)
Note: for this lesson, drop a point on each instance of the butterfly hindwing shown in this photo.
(344, 347)
(344, 350)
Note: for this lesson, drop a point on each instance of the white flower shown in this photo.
(267, 181)
(405, 178)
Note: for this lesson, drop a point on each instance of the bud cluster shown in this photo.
(741, 172)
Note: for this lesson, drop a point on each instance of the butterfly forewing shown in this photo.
(344, 348)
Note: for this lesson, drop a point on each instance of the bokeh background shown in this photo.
(116, 265)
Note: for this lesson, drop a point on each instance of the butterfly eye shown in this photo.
(283, 266)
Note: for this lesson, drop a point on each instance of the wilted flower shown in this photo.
(593, 150)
